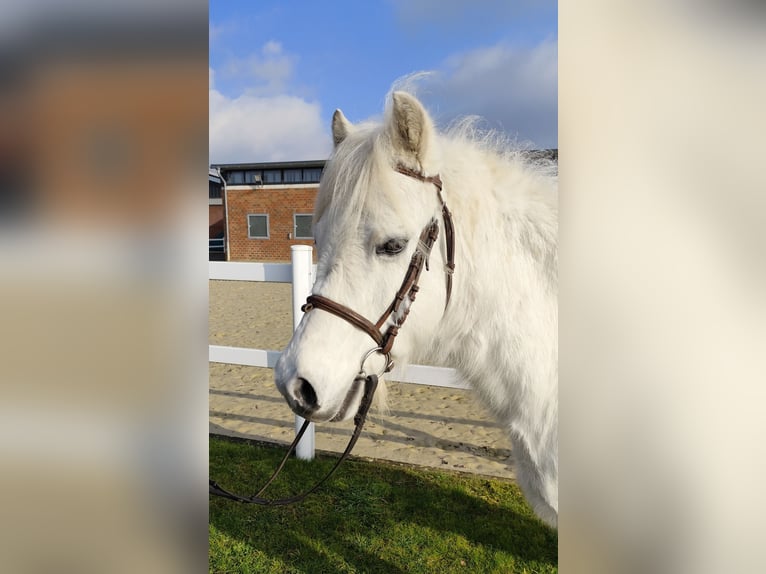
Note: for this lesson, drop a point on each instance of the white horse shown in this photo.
(499, 330)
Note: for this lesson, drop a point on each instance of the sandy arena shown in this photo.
(429, 426)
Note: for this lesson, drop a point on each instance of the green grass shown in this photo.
(370, 517)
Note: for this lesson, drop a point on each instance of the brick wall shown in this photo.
(215, 220)
(280, 204)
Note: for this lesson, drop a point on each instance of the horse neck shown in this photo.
(505, 221)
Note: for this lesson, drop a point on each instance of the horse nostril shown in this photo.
(305, 394)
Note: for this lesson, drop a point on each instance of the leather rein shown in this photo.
(384, 341)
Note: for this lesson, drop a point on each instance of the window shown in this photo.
(235, 177)
(272, 176)
(303, 223)
(258, 226)
(312, 174)
(293, 176)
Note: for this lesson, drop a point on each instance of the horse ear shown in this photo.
(410, 126)
(341, 127)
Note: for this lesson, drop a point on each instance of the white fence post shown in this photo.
(303, 280)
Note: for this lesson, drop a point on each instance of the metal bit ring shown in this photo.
(386, 369)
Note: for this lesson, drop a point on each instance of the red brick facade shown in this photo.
(215, 223)
(280, 203)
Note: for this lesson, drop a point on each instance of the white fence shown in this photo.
(301, 274)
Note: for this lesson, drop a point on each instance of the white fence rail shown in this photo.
(246, 271)
(415, 374)
(301, 274)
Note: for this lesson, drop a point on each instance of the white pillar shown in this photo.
(303, 281)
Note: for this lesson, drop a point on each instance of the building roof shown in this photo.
(212, 175)
(551, 154)
(268, 165)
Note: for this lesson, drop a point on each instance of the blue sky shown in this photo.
(279, 69)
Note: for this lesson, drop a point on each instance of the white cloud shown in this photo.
(514, 89)
(253, 128)
(213, 32)
(272, 47)
(266, 72)
(256, 117)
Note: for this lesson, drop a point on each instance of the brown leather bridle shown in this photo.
(409, 287)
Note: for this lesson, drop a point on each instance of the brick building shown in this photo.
(258, 210)
(265, 208)
(216, 221)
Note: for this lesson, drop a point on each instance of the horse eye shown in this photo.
(391, 247)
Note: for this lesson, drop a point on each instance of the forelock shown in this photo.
(348, 176)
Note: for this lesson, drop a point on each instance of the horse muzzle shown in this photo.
(302, 399)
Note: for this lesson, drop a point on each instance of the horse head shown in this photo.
(375, 204)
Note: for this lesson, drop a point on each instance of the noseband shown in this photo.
(409, 287)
